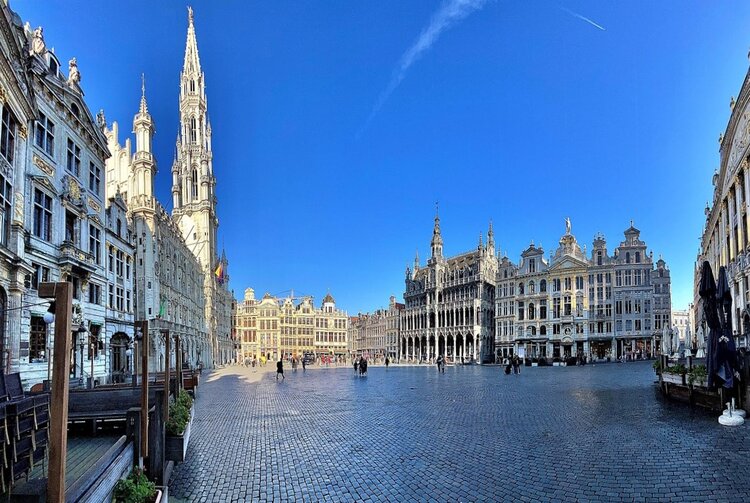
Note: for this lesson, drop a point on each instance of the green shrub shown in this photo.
(697, 374)
(134, 489)
(179, 414)
(678, 369)
(657, 365)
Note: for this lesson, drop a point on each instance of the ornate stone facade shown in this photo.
(597, 306)
(168, 278)
(378, 333)
(476, 306)
(273, 327)
(64, 216)
(725, 240)
(450, 304)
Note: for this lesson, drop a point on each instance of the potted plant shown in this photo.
(657, 366)
(178, 427)
(136, 489)
(697, 374)
(542, 362)
(675, 374)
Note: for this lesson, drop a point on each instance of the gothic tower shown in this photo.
(144, 164)
(193, 179)
(194, 199)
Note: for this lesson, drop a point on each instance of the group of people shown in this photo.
(360, 365)
(512, 364)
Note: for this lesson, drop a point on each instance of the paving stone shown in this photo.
(592, 433)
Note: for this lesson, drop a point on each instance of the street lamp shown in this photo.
(80, 331)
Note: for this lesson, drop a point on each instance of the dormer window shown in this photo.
(53, 66)
(76, 111)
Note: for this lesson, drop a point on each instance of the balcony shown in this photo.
(73, 256)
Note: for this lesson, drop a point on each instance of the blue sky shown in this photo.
(519, 112)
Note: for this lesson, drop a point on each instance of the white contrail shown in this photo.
(583, 18)
(449, 13)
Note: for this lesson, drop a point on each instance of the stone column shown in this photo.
(730, 211)
(13, 331)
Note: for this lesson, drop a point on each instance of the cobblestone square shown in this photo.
(592, 433)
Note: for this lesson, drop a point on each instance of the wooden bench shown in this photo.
(110, 404)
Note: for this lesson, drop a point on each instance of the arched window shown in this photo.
(532, 265)
(637, 257)
(194, 184)
(543, 286)
(543, 330)
(532, 311)
(192, 86)
(193, 130)
(532, 287)
(627, 257)
(599, 257)
(520, 288)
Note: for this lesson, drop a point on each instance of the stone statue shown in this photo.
(567, 225)
(101, 121)
(37, 43)
(675, 341)
(74, 76)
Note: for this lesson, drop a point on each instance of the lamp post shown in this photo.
(141, 334)
(80, 332)
(48, 318)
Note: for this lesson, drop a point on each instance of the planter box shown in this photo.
(534, 364)
(556, 364)
(673, 378)
(176, 445)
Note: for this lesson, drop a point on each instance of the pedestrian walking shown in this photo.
(356, 365)
(304, 364)
(294, 365)
(280, 369)
(387, 361)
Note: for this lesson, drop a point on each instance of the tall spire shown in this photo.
(491, 239)
(144, 108)
(437, 239)
(192, 62)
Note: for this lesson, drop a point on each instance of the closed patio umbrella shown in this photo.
(665, 341)
(700, 343)
(726, 356)
(707, 292)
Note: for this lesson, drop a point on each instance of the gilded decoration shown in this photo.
(3, 95)
(94, 205)
(23, 132)
(41, 164)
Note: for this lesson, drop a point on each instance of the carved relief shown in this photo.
(41, 164)
(71, 190)
(94, 205)
(18, 208)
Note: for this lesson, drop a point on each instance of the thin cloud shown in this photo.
(449, 13)
(583, 18)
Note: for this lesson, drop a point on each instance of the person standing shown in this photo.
(387, 362)
(280, 369)
(304, 363)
